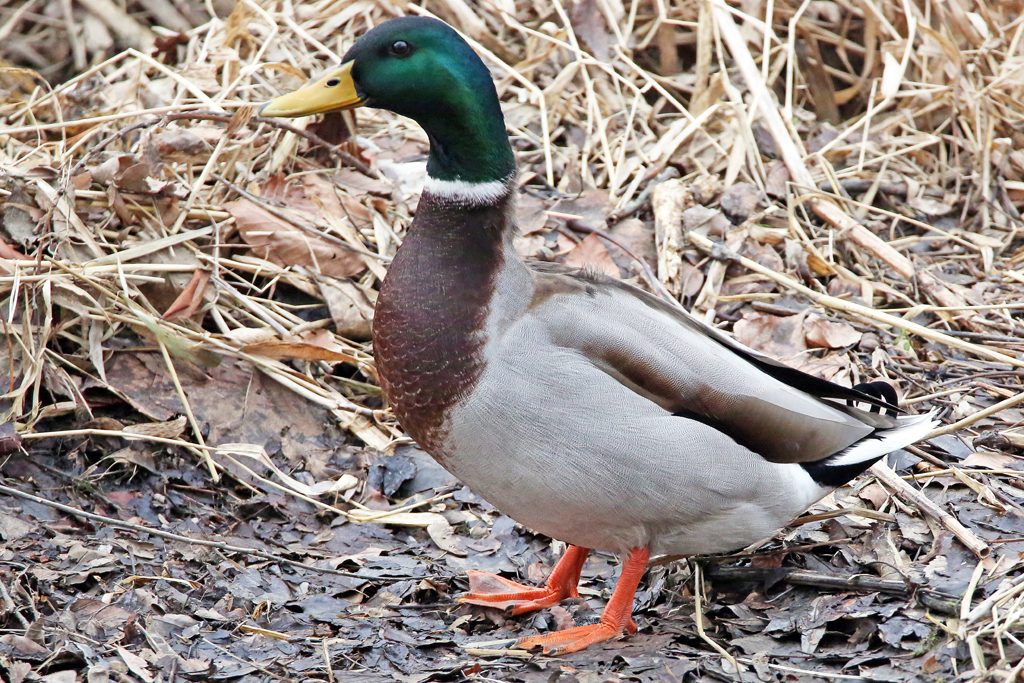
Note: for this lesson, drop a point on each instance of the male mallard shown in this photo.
(584, 408)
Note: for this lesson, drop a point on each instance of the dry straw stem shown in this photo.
(793, 157)
(921, 101)
(835, 303)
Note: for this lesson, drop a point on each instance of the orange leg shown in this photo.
(491, 590)
(615, 620)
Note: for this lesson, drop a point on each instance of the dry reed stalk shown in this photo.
(890, 160)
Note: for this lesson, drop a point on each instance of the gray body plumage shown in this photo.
(553, 435)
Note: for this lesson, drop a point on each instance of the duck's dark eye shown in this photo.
(400, 48)
(333, 82)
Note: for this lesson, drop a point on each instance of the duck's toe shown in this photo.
(490, 590)
(572, 639)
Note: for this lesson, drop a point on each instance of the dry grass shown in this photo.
(884, 141)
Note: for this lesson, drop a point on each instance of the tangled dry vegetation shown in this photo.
(187, 291)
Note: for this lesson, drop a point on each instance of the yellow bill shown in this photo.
(334, 91)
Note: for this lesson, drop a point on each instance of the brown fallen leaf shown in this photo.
(192, 144)
(136, 664)
(314, 345)
(638, 237)
(280, 241)
(826, 334)
(740, 201)
(10, 440)
(932, 208)
(590, 25)
(96, 618)
(591, 253)
(24, 646)
(9, 252)
(693, 280)
(778, 177)
(780, 337)
(191, 298)
(350, 307)
(531, 214)
(169, 429)
(590, 206)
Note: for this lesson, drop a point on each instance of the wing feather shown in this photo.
(692, 370)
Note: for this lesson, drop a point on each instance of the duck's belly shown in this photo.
(564, 449)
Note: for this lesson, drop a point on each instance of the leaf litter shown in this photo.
(188, 294)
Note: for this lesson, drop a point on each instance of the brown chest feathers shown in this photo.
(430, 314)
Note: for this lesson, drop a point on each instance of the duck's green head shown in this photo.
(420, 68)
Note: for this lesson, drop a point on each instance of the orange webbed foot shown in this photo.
(490, 590)
(615, 621)
(571, 639)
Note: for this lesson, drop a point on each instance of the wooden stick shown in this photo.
(908, 493)
(1015, 587)
(698, 618)
(981, 414)
(947, 604)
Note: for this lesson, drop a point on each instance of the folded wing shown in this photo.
(694, 371)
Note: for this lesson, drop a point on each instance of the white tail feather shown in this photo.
(910, 429)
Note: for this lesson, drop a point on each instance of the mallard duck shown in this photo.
(582, 407)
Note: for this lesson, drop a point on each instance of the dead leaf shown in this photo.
(989, 460)
(531, 214)
(931, 207)
(313, 345)
(12, 528)
(590, 25)
(350, 307)
(171, 429)
(591, 253)
(638, 237)
(10, 440)
(780, 337)
(65, 676)
(740, 201)
(442, 534)
(280, 242)
(309, 201)
(136, 664)
(97, 618)
(25, 647)
(192, 144)
(777, 179)
(232, 403)
(826, 334)
(711, 221)
(105, 172)
(139, 178)
(693, 280)
(191, 298)
(589, 206)
(9, 252)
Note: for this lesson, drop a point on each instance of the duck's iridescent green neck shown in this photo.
(468, 141)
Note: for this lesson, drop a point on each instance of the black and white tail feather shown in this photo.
(843, 466)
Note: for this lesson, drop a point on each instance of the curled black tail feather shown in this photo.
(880, 390)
